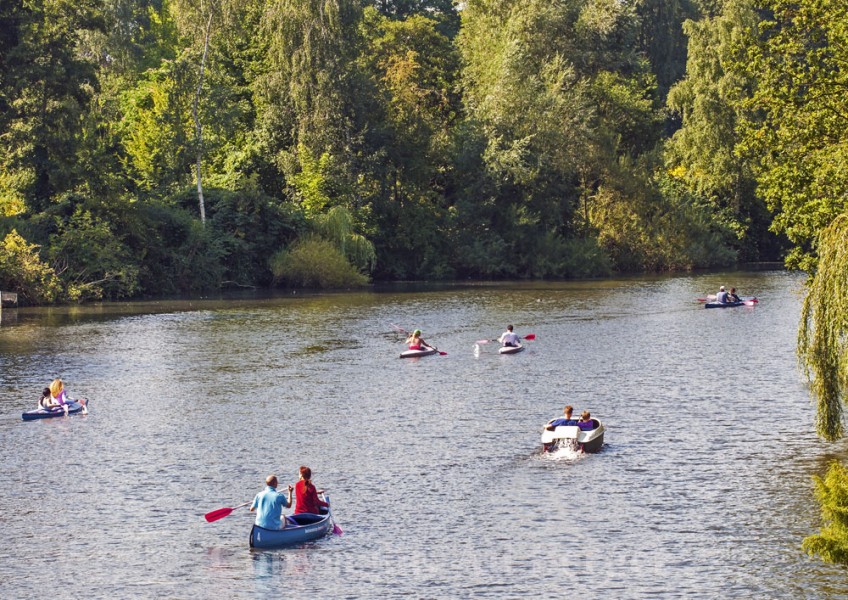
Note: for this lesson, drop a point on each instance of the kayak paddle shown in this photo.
(221, 513)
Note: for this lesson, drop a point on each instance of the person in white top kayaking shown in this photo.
(508, 338)
(722, 295)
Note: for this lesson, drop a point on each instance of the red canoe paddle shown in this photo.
(221, 513)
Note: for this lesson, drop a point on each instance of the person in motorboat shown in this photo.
(585, 423)
(509, 338)
(60, 397)
(416, 342)
(306, 496)
(733, 296)
(722, 295)
(564, 420)
(269, 503)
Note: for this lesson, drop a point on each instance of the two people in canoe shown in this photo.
(725, 297)
(269, 503)
(509, 338)
(584, 422)
(416, 342)
(55, 397)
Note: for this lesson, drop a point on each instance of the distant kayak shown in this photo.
(510, 349)
(415, 353)
(43, 413)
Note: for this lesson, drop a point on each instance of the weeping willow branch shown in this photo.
(336, 226)
(823, 332)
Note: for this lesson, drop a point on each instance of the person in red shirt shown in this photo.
(306, 496)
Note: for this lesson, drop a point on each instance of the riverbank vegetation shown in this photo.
(168, 146)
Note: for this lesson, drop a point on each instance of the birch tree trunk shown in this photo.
(197, 124)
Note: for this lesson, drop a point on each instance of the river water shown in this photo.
(703, 488)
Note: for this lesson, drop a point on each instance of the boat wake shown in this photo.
(567, 450)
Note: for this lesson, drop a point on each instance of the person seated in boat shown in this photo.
(269, 503)
(508, 338)
(416, 342)
(722, 295)
(733, 296)
(564, 420)
(306, 496)
(46, 401)
(585, 423)
(60, 396)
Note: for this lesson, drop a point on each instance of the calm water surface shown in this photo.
(702, 490)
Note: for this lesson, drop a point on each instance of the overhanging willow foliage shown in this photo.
(823, 332)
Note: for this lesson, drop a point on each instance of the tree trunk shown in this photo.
(198, 127)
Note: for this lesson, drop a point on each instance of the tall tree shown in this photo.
(799, 116)
(312, 47)
(46, 87)
(662, 39)
(710, 103)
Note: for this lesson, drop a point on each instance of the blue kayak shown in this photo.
(309, 527)
(722, 304)
(43, 413)
(746, 302)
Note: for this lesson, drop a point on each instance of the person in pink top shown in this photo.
(416, 342)
(58, 396)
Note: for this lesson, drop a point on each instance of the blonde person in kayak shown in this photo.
(416, 342)
(60, 397)
(269, 503)
(306, 496)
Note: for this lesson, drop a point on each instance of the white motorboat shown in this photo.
(586, 440)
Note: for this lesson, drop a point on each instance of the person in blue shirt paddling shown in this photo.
(733, 296)
(269, 503)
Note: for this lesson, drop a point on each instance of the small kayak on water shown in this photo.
(309, 527)
(510, 349)
(747, 302)
(43, 413)
(414, 353)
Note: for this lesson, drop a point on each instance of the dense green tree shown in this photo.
(23, 272)
(701, 154)
(832, 493)
(411, 68)
(798, 118)
(663, 40)
(46, 88)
